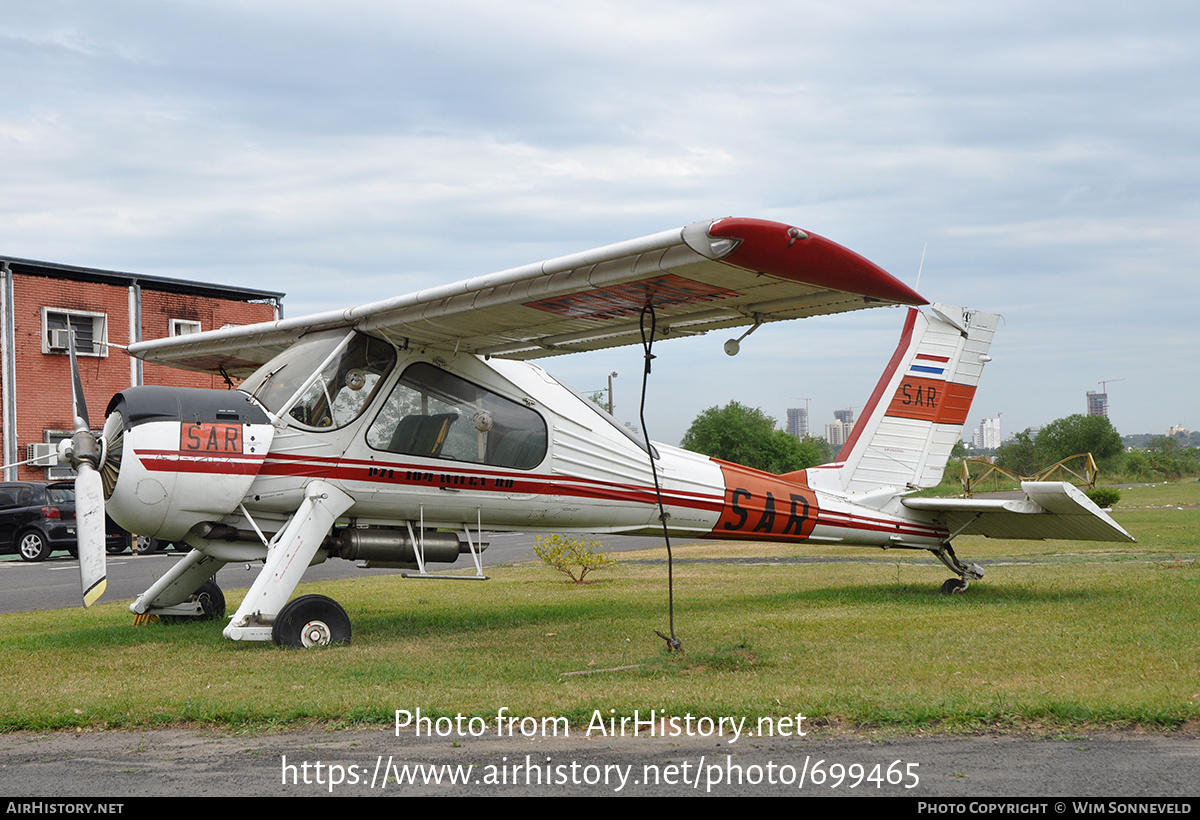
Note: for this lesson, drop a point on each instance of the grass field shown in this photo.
(1059, 635)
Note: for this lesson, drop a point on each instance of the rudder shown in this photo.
(917, 411)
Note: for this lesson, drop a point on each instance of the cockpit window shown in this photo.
(436, 414)
(324, 382)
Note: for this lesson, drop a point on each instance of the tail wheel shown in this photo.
(954, 586)
(310, 621)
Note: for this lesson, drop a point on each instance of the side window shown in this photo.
(436, 414)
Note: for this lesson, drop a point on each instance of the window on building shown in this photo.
(184, 327)
(89, 329)
(62, 470)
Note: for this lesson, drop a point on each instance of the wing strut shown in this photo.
(674, 643)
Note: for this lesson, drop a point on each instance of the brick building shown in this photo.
(104, 308)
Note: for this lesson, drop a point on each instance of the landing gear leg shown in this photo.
(175, 593)
(206, 604)
(966, 574)
(288, 556)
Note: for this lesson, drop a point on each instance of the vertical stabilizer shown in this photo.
(916, 413)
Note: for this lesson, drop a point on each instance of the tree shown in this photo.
(747, 436)
(817, 450)
(600, 399)
(1167, 457)
(1021, 455)
(1079, 434)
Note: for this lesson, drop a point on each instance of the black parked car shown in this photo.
(37, 519)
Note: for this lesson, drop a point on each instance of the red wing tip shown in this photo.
(793, 253)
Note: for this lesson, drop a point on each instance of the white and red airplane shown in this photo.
(398, 432)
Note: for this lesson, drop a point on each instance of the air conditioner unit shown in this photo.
(42, 455)
(60, 339)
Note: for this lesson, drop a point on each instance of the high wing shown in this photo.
(1051, 509)
(705, 276)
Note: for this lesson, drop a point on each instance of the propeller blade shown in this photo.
(78, 403)
(86, 457)
(89, 530)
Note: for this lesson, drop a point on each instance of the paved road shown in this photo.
(178, 763)
(54, 584)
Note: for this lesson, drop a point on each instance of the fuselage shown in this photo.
(446, 442)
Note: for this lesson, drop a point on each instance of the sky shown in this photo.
(1042, 158)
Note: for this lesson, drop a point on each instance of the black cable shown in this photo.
(674, 644)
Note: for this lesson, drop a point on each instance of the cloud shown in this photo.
(1042, 155)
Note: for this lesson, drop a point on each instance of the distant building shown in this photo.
(987, 435)
(1097, 404)
(37, 302)
(797, 422)
(837, 432)
(846, 416)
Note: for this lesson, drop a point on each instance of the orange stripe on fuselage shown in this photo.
(764, 507)
(931, 400)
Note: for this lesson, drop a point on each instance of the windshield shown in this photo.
(351, 368)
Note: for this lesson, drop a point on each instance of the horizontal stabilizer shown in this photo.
(1050, 510)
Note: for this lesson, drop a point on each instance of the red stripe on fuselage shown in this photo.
(421, 475)
(757, 506)
(184, 461)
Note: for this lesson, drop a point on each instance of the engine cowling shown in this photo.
(175, 456)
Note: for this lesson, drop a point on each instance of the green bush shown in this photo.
(1104, 496)
(572, 557)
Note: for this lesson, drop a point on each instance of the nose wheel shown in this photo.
(311, 621)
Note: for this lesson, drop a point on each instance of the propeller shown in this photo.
(84, 452)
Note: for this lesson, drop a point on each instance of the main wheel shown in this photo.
(954, 586)
(33, 546)
(311, 620)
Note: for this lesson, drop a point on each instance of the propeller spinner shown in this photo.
(85, 453)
